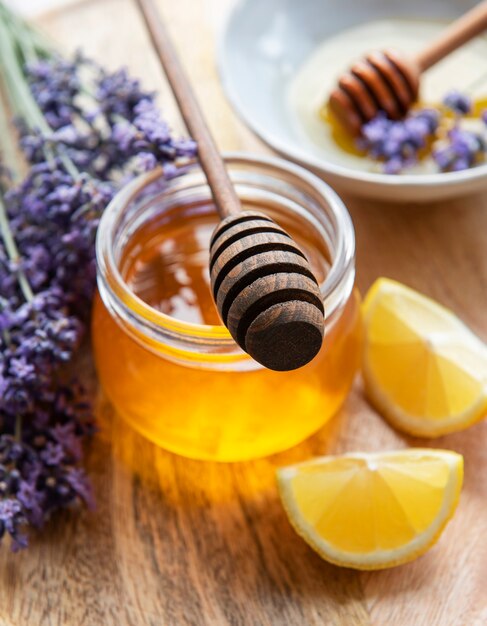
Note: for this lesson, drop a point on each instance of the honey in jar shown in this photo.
(164, 359)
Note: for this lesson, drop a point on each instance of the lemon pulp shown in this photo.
(375, 510)
(423, 368)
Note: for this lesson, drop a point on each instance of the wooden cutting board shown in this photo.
(176, 542)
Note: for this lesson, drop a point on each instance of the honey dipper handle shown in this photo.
(459, 32)
(226, 200)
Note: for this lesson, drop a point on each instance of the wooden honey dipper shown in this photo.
(265, 291)
(389, 81)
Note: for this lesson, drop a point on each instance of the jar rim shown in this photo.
(341, 271)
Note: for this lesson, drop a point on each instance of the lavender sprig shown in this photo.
(83, 131)
(40, 472)
(457, 102)
(110, 125)
(398, 144)
(37, 475)
(462, 150)
(55, 218)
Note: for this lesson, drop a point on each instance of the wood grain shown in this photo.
(265, 291)
(389, 81)
(280, 328)
(382, 81)
(176, 542)
(456, 34)
(226, 200)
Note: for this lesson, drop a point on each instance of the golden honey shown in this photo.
(348, 143)
(164, 360)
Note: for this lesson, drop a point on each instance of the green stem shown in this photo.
(36, 40)
(69, 166)
(10, 155)
(18, 90)
(31, 47)
(13, 253)
(5, 334)
(20, 95)
(28, 49)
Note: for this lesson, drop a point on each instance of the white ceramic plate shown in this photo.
(262, 47)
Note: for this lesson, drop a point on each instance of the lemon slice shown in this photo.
(372, 511)
(423, 369)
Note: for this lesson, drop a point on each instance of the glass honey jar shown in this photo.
(165, 361)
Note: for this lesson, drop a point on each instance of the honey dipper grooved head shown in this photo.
(383, 81)
(265, 292)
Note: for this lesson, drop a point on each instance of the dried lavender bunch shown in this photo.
(84, 131)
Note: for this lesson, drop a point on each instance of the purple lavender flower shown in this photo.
(394, 165)
(52, 454)
(463, 149)
(397, 143)
(79, 486)
(23, 370)
(65, 435)
(54, 219)
(148, 134)
(12, 521)
(146, 161)
(41, 473)
(54, 83)
(39, 338)
(118, 94)
(123, 130)
(30, 498)
(457, 102)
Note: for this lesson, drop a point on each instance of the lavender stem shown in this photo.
(21, 96)
(13, 252)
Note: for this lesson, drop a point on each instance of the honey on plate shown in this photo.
(165, 361)
(311, 85)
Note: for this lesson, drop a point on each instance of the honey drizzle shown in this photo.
(348, 144)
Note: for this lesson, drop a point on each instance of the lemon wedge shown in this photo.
(423, 369)
(372, 510)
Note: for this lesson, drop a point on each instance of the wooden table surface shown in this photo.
(175, 542)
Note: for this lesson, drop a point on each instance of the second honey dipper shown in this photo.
(264, 289)
(389, 81)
